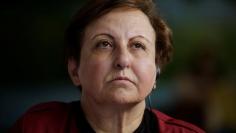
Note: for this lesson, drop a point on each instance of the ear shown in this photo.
(158, 69)
(157, 62)
(73, 70)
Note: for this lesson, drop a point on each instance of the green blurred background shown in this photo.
(197, 86)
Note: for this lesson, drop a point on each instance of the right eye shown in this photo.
(104, 44)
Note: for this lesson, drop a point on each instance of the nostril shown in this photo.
(119, 66)
(122, 59)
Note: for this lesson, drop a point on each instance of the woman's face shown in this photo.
(117, 63)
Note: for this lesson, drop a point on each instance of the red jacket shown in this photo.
(58, 117)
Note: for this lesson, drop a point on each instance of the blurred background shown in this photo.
(198, 86)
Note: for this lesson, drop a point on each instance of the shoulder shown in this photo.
(47, 110)
(169, 124)
(48, 107)
(44, 116)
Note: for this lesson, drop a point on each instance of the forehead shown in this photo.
(127, 21)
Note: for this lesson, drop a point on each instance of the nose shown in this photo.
(122, 58)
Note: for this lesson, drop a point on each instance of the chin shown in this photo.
(126, 98)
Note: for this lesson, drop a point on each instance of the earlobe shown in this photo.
(73, 70)
(158, 69)
(158, 72)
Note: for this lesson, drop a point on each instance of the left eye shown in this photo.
(138, 45)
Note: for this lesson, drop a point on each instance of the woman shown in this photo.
(115, 51)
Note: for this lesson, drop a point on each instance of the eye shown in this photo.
(138, 45)
(104, 44)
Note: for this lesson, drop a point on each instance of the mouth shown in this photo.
(122, 79)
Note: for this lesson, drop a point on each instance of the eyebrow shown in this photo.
(103, 34)
(111, 37)
(141, 37)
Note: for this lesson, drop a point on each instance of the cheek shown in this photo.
(145, 71)
(93, 71)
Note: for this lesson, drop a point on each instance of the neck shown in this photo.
(113, 118)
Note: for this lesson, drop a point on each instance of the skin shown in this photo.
(117, 70)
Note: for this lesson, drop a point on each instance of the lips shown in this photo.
(120, 78)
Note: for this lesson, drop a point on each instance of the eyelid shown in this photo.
(143, 38)
(99, 43)
(142, 45)
(104, 40)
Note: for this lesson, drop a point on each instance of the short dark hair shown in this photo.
(96, 8)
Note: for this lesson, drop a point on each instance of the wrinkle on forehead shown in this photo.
(139, 24)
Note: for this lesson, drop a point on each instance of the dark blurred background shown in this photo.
(197, 86)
